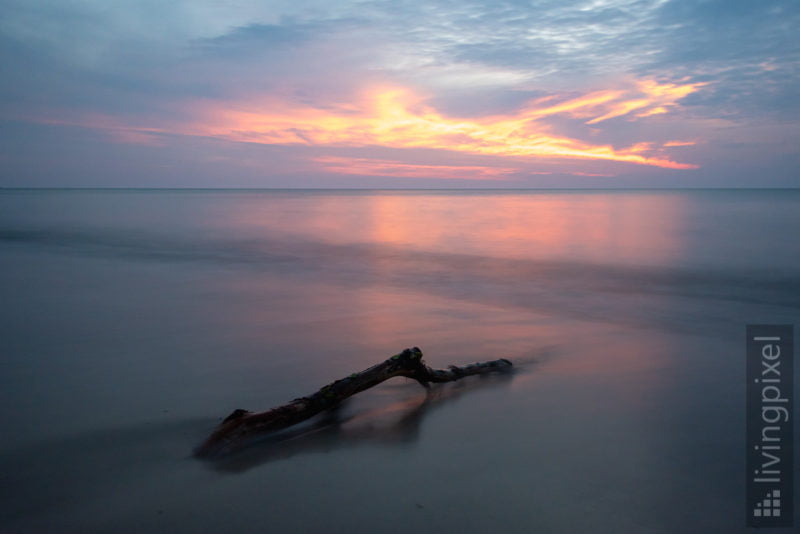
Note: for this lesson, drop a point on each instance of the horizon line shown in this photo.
(637, 188)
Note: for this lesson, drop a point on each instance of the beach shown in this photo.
(133, 321)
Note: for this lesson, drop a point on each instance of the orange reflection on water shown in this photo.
(602, 228)
(637, 228)
(471, 276)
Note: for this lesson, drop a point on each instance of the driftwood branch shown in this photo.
(242, 424)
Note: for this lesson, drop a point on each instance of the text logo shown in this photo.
(770, 425)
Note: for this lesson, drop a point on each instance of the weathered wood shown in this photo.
(242, 424)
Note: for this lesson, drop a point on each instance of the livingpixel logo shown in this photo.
(770, 425)
(769, 506)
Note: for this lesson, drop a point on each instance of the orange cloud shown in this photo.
(656, 98)
(399, 118)
(379, 167)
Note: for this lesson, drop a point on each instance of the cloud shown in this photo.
(590, 81)
(747, 51)
(379, 167)
(400, 118)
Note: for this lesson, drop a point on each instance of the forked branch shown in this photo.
(242, 424)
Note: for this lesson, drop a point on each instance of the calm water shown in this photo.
(132, 321)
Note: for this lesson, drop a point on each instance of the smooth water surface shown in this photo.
(132, 321)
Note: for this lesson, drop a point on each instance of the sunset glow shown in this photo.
(400, 118)
(209, 208)
(375, 167)
(611, 93)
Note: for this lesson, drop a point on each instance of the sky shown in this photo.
(400, 94)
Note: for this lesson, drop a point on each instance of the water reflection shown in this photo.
(396, 423)
(200, 303)
(631, 229)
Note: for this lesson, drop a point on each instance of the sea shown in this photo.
(132, 321)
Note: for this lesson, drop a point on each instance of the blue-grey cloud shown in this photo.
(137, 60)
